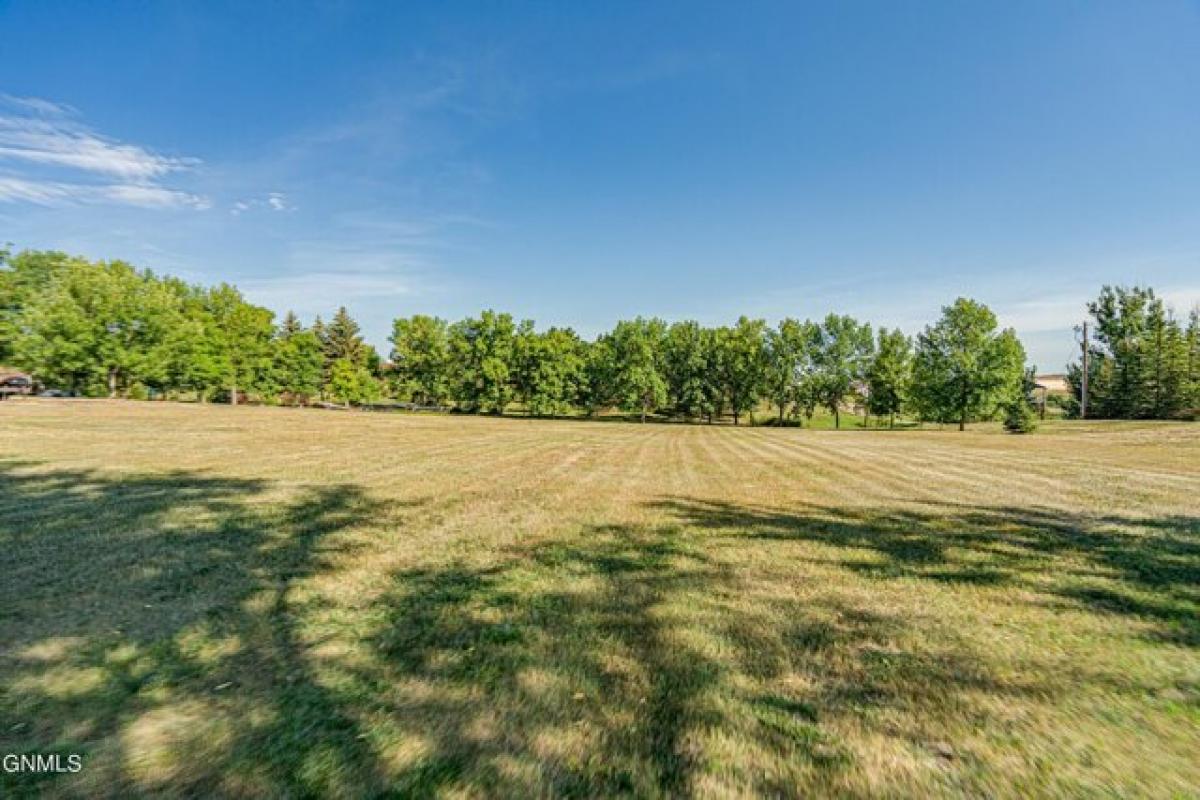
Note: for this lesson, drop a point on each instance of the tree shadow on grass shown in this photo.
(146, 622)
(555, 672)
(160, 626)
(627, 661)
(1148, 567)
(163, 627)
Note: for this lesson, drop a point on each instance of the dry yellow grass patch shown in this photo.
(273, 601)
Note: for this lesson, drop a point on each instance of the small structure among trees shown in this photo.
(14, 382)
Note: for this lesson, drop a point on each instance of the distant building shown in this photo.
(14, 382)
(1053, 384)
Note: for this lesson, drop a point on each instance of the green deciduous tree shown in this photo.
(637, 348)
(964, 367)
(889, 374)
(351, 383)
(98, 328)
(690, 361)
(482, 356)
(239, 338)
(598, 389)
(297, 361)
(548, 369)
(742, 364)
(790, 348)
(421, 358)
(22, 277)
(842, 353)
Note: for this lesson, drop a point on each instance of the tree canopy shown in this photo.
(106, 328)
(1143, 361)
(964, 367)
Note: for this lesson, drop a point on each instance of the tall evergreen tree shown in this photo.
(342, 339)
(1139, 359)
(290, 325)
(1192, 361)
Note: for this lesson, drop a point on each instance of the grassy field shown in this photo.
(213, 601)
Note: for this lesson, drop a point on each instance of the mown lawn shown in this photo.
(208, 601)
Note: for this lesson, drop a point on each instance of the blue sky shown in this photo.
(583, 162)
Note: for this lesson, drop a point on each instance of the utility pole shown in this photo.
(1083, 399)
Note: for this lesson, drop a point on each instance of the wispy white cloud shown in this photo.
(1062, 312)
(55, 193)
(52, 158)
(373, 265)
(315, 288)
(275, 201)
(38, 105)
(1043, 314)
(310, 293)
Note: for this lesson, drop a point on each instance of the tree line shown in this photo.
(105, 328)
(1143, 360)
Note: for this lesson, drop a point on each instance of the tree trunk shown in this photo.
(735, 417)
(781, 407)
(643, 415)
(233, 394)
(962, 419)
(112, 382)
(837, 418)
(892, 420)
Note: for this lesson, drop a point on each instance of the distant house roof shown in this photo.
(14, 382)
(1053, 383)
(11, 372)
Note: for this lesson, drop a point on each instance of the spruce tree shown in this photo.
(342, 339)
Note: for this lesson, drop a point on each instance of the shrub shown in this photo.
(1019, 418)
